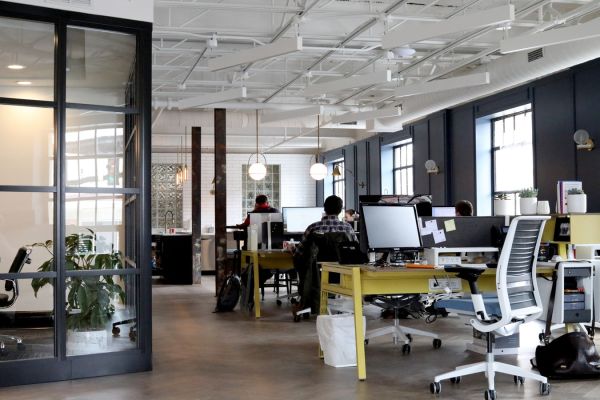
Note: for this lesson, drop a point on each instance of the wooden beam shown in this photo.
(220, 197)
(196, 199)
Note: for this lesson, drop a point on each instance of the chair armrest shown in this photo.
(470, 274)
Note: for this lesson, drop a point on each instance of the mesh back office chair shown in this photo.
(12, 285)
(518, 302)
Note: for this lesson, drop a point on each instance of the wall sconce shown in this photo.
(583, 140)
(431, 167)
(338, 172)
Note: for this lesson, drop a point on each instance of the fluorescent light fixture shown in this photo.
(587, 30)
(481, 19)
(277, 48)
(24, 83)
(292, 114)
(212, 98)
(15, 66)
(349, 83)
(366, 115)
(440, 85)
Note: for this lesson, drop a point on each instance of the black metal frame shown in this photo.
(398, 168)
(140, 359)
(495, 148)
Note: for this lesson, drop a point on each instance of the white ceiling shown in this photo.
(341, 38)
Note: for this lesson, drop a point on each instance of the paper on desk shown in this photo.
(450, 225)
(439, 236)
(430, 227)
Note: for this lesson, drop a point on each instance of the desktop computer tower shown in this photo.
(274, 235)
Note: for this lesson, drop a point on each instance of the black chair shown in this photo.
(12, 286)
(318, 247)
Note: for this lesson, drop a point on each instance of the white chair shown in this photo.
(518, 302)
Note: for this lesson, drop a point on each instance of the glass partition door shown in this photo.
(74, 195)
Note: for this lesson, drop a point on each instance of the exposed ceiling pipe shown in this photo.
(173, 104)
(348, 39)
(507, 72)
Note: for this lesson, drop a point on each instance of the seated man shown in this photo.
(261, 206)
(305, 254)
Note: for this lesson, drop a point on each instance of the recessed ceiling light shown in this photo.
(24, 83)
(15, 66)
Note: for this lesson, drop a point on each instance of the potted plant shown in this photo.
(576, 201)
(89, 298)
(528, 201)
(502, 204)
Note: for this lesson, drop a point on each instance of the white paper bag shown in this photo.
(336, 337)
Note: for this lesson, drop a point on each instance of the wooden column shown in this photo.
(196, 199)
(220, 197)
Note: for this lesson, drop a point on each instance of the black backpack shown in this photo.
(229, 294)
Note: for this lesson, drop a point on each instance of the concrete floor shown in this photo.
(201, 355)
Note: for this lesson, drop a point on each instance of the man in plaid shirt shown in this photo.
(329, 223)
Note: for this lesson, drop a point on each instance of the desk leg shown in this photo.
(323, 302)
(256, 273)
(358, 325)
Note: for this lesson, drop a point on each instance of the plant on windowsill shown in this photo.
(576, 201)
(89, 298)
(528, 201)
(502, 204)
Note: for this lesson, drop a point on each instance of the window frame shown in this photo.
(341, 180)
(397, 169)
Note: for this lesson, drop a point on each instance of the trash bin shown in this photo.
(336, 337)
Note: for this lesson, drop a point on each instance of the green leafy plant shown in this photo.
(501, 196)
(528, 192)
(575, 191)
(89, 298)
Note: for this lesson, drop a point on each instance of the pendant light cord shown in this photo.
(318, 136)
(257, 135)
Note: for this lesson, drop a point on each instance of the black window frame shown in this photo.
(399, 168)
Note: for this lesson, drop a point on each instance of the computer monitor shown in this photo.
(391, 227)
(443, 211)
(297, 219)
(258, 219)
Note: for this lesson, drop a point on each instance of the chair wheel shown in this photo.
(409, 337)
(297, 318)
(541, 336)
(293, 300)
(132, 335)
(544, 389)
(490, 395)
(519, 380)
(3, 351)
(279, 303)
(21, 346)
(406, 349)
(435, 387)
(116, 330)
(366, 342)
(437, 343)
(455, 379)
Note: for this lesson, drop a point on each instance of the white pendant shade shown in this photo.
(257, 171)
(318, 171)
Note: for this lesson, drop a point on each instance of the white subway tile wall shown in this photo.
(298, 189)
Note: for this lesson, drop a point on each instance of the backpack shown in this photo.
(570, 356)
(229, 294)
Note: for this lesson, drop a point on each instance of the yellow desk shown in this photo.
(357, 281)
(265, 259)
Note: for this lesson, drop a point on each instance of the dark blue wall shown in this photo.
(561, 103)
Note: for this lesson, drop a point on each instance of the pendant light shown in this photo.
(257, 171)
(318, 171)
(185, 167)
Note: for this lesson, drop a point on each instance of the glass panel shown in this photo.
(27, 319)
(27, 59)
(26, 153)
(100, 213)
(101, 313)
(396, 157)
(25, 219)
(100, 66)
(95, 145)
(409, 154)
(410, 181)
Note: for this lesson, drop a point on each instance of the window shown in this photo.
(403, 167)
(339, 187)
(268, 186)
(512, 155)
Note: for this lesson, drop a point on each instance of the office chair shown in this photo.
(399, 333)
(12, 285)
(318, 247)
(517, 302)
